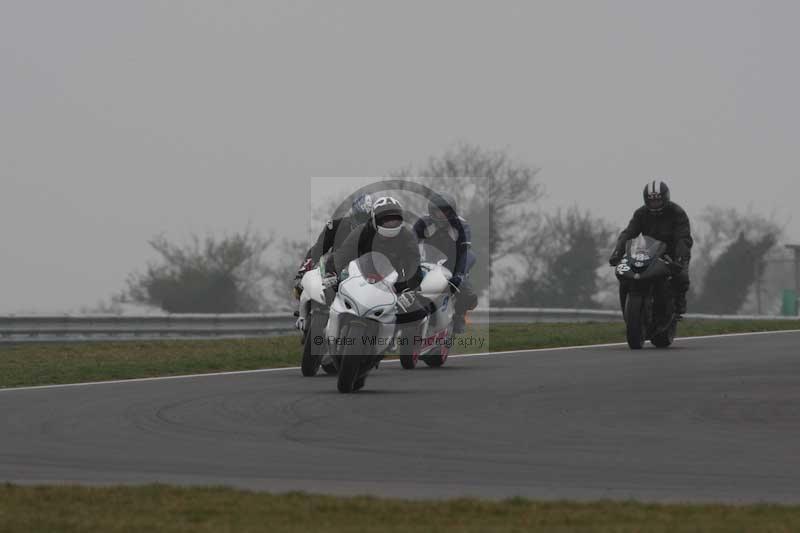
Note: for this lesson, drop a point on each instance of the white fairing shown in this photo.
(366, 298)
(312, 291)
(436, 288)
(312, 286)
(436, 281)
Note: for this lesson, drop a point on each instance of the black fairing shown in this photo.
(651, 270)
(646, 270)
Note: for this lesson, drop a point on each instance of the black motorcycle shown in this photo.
(648, 302)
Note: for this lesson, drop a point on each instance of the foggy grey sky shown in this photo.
(120, 120)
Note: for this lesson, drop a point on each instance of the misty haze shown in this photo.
(127, 121)
(424, 266)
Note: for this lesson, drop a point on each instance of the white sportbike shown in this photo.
(362, 322)
(312, 317)
(430, 338)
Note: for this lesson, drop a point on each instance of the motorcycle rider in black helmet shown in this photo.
(449, 233)
(387, 234)
(333, 235)
(664, 220)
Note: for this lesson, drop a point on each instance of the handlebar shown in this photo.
(413, 316)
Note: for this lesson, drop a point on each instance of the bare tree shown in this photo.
(719, 227)
(282, 270)
(497, 194)
(207, 275)
(480, 177)
(562, 261)
(729, 252)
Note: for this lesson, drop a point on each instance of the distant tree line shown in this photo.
(731, 247)
(526, 256)
(207, 275)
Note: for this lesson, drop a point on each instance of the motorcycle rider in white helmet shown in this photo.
(387, 234)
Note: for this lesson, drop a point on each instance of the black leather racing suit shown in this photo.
(330, 238)
(402, 251)
(454, 241)
(672, 227)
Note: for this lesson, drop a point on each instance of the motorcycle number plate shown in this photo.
(623, 268)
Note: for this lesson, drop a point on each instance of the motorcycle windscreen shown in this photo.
(376, 268)
(644, 248)
(431, 254)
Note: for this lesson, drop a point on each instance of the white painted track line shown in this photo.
(388, 361)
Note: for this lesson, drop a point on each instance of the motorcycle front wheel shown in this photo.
(351, 360)
(634, 320)
(438, 358)
(407, 352)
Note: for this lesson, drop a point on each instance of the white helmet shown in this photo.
(387, 216)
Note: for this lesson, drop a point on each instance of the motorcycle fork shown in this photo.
(425, 323)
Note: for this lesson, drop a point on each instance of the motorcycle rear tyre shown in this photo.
(665, 338)
(408, 359)
(312, 356)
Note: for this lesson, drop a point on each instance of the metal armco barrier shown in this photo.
(27, 328)
(106, 327)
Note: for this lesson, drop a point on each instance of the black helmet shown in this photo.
(387, 216)
(656, 196)
(442, 207)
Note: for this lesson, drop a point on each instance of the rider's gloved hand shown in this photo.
(615, 258)
(330, 281)
(307, 265)
(405, 300)
(455, 282)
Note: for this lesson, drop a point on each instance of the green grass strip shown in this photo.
(44, 363)
(169, 509)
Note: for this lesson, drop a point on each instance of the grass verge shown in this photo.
(41, 364)
(172, 509)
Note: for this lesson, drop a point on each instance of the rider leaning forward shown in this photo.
(664, 220)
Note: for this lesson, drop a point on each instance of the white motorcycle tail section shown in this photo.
(435, 287)
(312, 291)
(436, 281)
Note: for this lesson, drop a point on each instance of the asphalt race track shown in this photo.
(713, 419)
